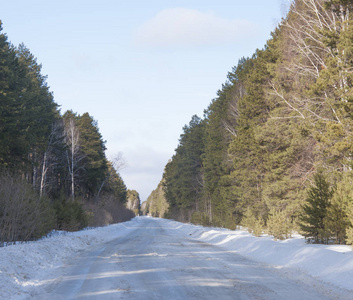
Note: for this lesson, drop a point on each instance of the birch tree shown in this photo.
(316, 87)
(52, 155)
(73, 154)
(316, 31)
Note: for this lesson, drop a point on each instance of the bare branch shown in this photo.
(118, 162)
(285, 100)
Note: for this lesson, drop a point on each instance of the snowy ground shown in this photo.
(233, 262)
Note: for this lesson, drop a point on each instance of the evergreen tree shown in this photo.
(245, 149)
(337, 221)
(115, 185)
(11, 141)
(94, 161)
(316, 208)
(219, 127)
(27, 109)
(183, 174)
(39, 111)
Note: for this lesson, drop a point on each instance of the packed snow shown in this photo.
(27, 269)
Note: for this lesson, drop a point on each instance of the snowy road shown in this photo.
(155, 259)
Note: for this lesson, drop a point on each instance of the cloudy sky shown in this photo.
(140, 68)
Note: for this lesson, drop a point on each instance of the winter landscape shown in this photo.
(218, 163)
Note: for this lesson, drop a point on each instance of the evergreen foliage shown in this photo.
(253, 223)
(115, 185)
(156, 204)
(94, 160)
(279, 225)
(338, 219)
(315, 210)
(182, 177)
(70, 215)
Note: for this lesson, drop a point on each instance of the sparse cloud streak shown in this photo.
(181, 27)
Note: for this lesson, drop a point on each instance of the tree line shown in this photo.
(156, 204)
(273, 151)
(54, 173)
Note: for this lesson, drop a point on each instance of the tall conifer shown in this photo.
(315, 210)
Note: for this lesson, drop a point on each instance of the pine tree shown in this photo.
(315, 210)
(8, 107)
(183, 174)
(219, 130)
(337, 220)
(245, 149)
(115, 185)
(15, 122)
(94, 161)
(39, 111)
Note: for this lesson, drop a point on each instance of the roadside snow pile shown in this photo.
(329, 263)
(26, 266)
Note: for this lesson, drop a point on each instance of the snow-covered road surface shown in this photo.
(157, 259)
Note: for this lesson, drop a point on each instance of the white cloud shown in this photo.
(187, 27)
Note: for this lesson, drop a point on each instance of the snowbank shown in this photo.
(25, 267)
(329, 263)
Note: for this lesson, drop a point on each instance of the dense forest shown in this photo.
(273, 151)
(53, 170)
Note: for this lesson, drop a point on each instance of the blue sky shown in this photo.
(140, 68)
